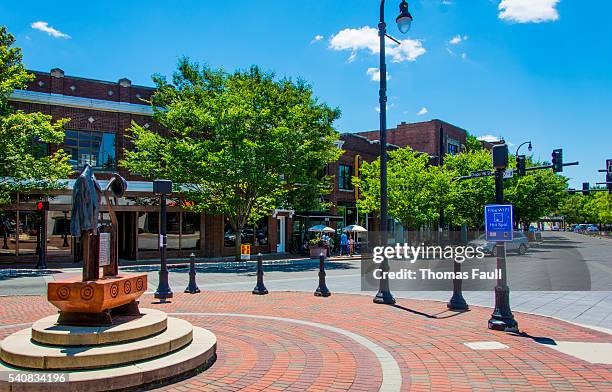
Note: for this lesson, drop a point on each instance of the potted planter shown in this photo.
(315, 251)
(316, 246)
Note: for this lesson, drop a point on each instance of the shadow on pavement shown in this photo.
(250, 267)
(431, 316)
(7, 274)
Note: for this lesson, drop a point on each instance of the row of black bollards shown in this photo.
(260, 288)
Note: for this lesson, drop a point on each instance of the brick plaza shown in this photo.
(289, 341)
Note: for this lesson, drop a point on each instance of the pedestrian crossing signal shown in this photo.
(42, 206)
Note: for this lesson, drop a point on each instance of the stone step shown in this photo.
(124, 329)
(199, 354)
(19, 350)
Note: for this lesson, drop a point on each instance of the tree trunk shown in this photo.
(238, 243)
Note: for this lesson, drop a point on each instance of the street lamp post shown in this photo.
(529, 147)
(404, 21)
(502, 318)
(163, 188)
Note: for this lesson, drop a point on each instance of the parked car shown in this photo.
(591, 229)
(518, 244)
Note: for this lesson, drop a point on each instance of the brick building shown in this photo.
(100, 112)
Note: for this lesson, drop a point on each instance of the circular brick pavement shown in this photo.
(313, 343)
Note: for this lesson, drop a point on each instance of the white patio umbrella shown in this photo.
(355, 228)
(322, 229)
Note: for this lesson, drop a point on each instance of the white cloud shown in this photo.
(447, 2)
(317, 38)
(528, 11)
(422, 112)
(374, 73)
(44, 27)
(464, 55)
(488, 138)
(457, 39)
(366, 38)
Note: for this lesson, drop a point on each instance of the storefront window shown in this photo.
(190, 237)
(29, 223)
(148, 226)
(256, 234)
(58, 232)
(173, 230)
(8, 233)
(93, 147)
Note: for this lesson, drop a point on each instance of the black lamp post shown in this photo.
(502, 318)
(163, 188)
(529, 147)
(404, 20)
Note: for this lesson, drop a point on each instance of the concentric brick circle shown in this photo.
(263, 346)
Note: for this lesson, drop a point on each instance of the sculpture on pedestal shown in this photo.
(94, 300)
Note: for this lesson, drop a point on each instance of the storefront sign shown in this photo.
(245, 252)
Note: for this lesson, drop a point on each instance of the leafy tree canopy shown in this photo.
(416, 189)
(240, 144)
(24, 162)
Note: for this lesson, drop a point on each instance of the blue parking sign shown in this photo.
(499, 222)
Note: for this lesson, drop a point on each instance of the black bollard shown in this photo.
(192, 287)
(457, 302)
(322, 290)
(260, 288)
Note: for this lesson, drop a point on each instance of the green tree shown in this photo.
(239, 144)
(24, 162)
(472, 143)
(537, 194)
(416, 189)
(467, 198)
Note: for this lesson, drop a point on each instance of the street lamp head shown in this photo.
(529, 147)
(404, 19)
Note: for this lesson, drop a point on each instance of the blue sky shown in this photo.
(534, 70)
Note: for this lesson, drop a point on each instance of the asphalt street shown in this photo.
(569, 276)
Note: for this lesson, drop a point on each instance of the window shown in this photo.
(256, 234)
(344, 177)
(93, 147)
(453, 149)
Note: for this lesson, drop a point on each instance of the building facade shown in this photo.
(101, 111)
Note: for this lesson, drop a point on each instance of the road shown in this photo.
(566, 260)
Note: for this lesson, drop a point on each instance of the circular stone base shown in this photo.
(19, 350)
(124, 329)
(198, 355)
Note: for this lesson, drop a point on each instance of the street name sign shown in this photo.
(508, 173)
(499, 222)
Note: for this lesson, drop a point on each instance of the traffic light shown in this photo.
(521, 165)
(42, 206)
(585, 188)
(557, 160)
